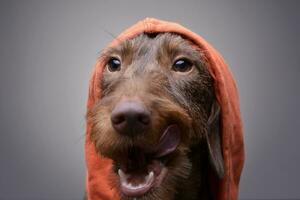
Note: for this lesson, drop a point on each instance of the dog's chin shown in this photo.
(141, 173)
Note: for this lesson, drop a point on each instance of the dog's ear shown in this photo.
(213, 139)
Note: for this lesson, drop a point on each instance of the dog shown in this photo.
(158, 119)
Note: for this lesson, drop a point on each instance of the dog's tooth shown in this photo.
(140, 186)
(131, 186)
(149, 177)
(121, 173)
(123, 176)
(128, 185)
(151, 174)
(136, 186)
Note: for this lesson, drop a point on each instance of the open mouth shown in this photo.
(142, 171)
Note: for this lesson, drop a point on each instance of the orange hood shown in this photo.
(98, 167)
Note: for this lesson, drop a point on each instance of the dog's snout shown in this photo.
(130, 118)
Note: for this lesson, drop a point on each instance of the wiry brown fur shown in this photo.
(146, 75)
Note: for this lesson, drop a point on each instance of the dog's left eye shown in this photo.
(182, 65)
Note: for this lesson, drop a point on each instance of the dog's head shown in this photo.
(157, 106)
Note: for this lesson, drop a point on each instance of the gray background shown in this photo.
(47, 49)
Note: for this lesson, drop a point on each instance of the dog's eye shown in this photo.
(182, 65)
(114, 64)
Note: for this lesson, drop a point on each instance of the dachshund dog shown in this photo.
(158, 119)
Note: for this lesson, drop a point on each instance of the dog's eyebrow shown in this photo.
(188, 51)
(106, 53)
(174, 46)
(129, 49)
(109, 51)
(125, 50)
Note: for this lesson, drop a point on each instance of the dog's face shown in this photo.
(157, 104)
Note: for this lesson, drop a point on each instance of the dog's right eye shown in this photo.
(114, 64)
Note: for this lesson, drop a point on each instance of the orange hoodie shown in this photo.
(98, 167)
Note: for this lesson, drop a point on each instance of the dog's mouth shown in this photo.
(142, 170)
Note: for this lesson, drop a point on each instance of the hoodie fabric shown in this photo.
(98, 168)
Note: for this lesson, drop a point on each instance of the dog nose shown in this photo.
(130, 118)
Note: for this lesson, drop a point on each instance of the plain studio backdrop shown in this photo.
(48, 48)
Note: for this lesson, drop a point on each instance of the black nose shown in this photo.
(130, 118)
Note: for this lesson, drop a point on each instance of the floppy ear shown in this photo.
(213, 139)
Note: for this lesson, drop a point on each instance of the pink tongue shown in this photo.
(168, 141)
